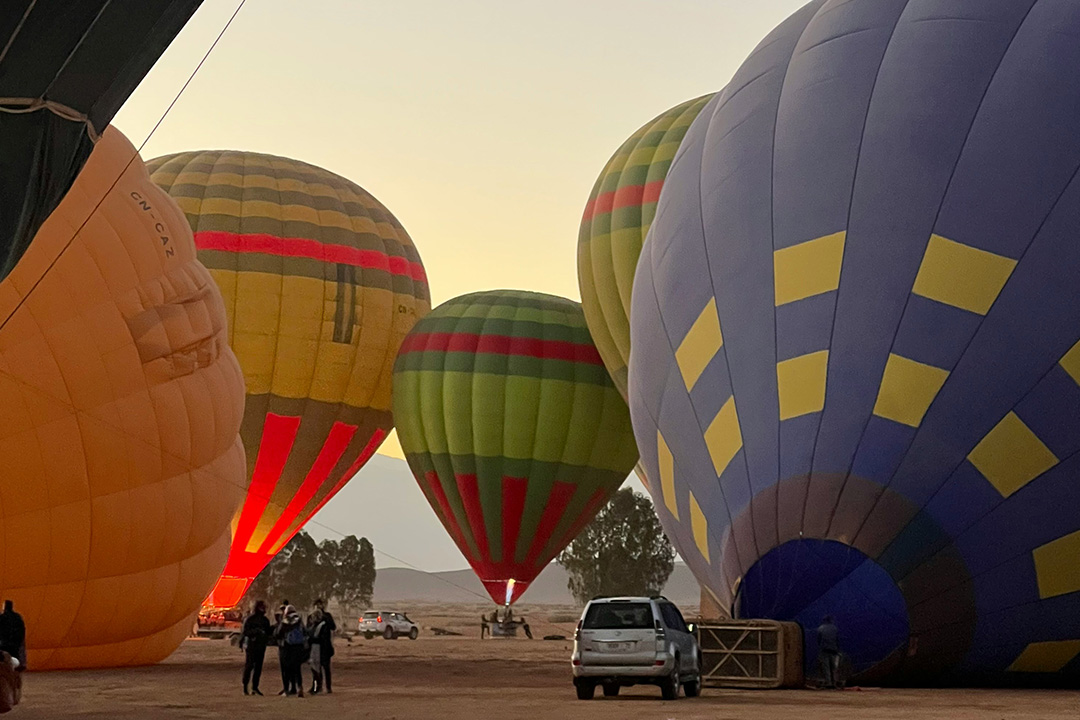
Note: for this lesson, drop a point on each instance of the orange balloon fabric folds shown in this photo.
(120, 411)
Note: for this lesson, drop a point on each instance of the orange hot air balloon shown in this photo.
(321, 283)
(120, 407)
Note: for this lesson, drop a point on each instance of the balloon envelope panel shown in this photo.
(120, 408)
(512, 427)
(321, 284)
(616, 220)
(65, 70)
(854, 337)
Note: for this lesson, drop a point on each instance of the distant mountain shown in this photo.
(384, 504)
(396, 585)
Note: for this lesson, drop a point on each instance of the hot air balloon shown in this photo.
(512, 427)
(616, 220)
(120, 408)
(321, 284)
(65, 70)
(854, 364)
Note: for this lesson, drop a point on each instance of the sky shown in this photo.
(481, 124)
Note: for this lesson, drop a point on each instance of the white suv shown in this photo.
(388, 624)
(625, 641)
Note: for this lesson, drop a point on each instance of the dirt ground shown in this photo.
(464, 678)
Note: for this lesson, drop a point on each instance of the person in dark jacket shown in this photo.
(292, 637)
(254, 638)
(13, 634)
(278, 617)
(323, 628)
(828, 638)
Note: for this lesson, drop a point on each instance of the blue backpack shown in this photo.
(295, 636)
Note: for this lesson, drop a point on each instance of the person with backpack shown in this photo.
(293, 643)
(254, 638)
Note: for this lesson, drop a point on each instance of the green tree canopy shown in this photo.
(305, 571)
(623, 551)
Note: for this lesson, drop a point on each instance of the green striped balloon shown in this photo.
(614, 225)
(513, 428)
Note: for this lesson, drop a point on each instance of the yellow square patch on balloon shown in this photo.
(1056, 567)
(723, 437)
(962, 276)
(808, 269)
(907, 389)
(700, 526)
(700, 345)
(1046, 657)
(800, 383)
(1011, 455)
(667, 474)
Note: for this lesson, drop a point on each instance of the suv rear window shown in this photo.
(619, 616)
(371, 615)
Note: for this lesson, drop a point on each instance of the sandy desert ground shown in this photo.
(464, 678)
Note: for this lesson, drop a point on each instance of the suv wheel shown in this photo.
(414, 633)
(611, 690)
(585, 690)
(669, 689)
(388, 633)
(692, 688)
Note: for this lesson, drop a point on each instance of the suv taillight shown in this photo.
(378, 619)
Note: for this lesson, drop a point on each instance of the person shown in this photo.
(293, 640)
(325, 637)
(484, 628)
(322, 650)
(314, 620)
(13, 634)
(254, 638)
(280, 642)
(828, 638)
(10, 682)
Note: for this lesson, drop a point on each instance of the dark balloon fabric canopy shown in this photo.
(854, 367)
(66, 67)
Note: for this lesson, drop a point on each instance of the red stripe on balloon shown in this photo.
(372, 445)
(561, 492)
(311, 249)
(502, 345)
(595, 502)
(513, 507)
(469, 491)
(626, 196)
(449, 519)
(279, 434)
(337, 442)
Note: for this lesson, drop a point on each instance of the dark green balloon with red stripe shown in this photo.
(513, 428)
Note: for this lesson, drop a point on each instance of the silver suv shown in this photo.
(388, 624)
(623, 641)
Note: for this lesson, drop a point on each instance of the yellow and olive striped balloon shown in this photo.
(321, 284)
(613, 228)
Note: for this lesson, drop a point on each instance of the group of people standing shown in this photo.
(299, 642)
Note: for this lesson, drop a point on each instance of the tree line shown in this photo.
(305, 571)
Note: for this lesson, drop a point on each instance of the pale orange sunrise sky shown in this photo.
(481, 124)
